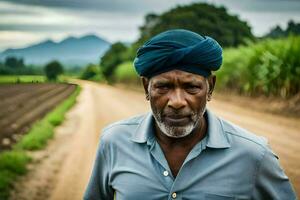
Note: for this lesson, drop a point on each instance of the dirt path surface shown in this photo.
(61, 172)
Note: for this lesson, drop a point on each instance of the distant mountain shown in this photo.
(70, 52)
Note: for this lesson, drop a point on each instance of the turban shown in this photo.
(178, 49)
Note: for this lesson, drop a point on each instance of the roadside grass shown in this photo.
(43, 130)
(37, 137)
(22, 79)
(13, 163)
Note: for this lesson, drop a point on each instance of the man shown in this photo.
(181, 150)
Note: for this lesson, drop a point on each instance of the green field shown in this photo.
(13, 163)
(270, 67)
(22, 79)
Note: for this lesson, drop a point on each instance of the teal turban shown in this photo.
(178, 49)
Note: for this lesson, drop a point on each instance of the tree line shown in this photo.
(16, 66)
(201, 18)
(260, 66)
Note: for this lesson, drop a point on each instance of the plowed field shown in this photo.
(23, 104)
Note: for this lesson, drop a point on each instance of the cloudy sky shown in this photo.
(23, 22)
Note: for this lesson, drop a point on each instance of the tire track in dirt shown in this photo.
(61, 172)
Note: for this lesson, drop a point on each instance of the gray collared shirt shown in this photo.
(229, 163)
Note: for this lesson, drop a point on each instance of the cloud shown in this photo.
(119, 19)
(143, 6)
(138, 6)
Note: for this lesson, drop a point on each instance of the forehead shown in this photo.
(178, 76)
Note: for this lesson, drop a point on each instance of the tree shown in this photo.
(201, 18)
(112, 58)
(53, 69)
(13, 62)
(292, 28)
(91, 72)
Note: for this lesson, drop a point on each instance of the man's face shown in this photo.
(178, 101)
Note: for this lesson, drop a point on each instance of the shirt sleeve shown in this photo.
(99, 187)
(271, 181)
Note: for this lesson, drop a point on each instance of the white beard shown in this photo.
(178, 131)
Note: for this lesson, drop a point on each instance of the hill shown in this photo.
(70, 52)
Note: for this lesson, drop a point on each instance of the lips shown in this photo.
(177, 120)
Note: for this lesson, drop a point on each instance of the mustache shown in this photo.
(176, 113)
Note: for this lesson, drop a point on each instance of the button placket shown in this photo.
(161, 165)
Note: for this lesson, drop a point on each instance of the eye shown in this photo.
(193, 89)
(162, 88)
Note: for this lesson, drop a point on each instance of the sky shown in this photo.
(25, 22)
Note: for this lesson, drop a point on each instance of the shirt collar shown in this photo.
(145, 129)
(216, 137)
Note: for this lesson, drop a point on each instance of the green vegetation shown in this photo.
(277, 32)
(16, 66)
(201, 18)
(92, 72)
(53, 69)
(13, 163)
(22, 79)
(37, 136)
(126, 73)
(270, 67)
(13, 62)
(41, 131)
(113, 57)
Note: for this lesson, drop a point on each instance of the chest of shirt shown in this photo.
(205, 174)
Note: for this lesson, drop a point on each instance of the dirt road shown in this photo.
(62, 170)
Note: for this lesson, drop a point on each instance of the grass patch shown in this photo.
(57, 116)
(22, 79)
(37, 136)
(43, 130)
(13, 163)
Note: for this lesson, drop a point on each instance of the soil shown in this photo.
(23, 104)
(62, 170)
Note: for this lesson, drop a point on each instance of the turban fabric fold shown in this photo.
(178, 49)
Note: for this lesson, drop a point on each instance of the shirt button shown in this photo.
(174, 195)
(166, 173)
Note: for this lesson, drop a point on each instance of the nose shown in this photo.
(177, 99)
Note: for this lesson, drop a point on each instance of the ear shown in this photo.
(211, 82)
(146, 83)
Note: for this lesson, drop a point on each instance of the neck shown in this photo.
(188, 141)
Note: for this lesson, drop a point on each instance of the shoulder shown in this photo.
(244, 140)
(121, 130)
